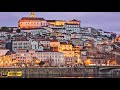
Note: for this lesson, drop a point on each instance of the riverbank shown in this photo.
(51, 71)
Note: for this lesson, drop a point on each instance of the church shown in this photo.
(31, 22)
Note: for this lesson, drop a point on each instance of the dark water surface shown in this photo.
(71, 76)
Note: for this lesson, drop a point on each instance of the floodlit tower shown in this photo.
(32, 14)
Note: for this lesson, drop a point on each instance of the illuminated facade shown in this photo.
(74, 22)
(69, 54)
(56, 22)
(54, 43)
(31, 22)
(6, 61)
(23, 56)
(65, 47)
(5, 58)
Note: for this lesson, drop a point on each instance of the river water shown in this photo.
(71, 76)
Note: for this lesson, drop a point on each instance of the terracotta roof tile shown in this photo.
(31, 18)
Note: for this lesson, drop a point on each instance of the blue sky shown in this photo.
(108, 21)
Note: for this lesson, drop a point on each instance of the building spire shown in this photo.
(32, 14)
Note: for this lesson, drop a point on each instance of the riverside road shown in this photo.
(51, 72)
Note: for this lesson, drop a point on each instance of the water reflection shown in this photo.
(68, 76)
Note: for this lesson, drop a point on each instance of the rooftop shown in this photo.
(74, 20)
(71, 24)
(54, 20)
(31, 18)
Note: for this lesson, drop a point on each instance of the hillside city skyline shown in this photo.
(62, 44)
(108, 21)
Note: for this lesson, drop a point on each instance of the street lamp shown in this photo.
(108, 62)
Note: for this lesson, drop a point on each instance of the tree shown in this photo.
(41, 63)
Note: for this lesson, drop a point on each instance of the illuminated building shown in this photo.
(69, 54)
(56, 22)
(76, 49)
(24, 56)
(118, 39)
(5, 58)
(74, 22)
(31, 22)
(54, 45)
(65, 47)
(54, 58)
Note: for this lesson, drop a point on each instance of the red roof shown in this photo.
(54, 41)
(31, 18)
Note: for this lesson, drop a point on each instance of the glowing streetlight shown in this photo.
(88, 61)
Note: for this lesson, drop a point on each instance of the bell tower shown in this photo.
(32, 14)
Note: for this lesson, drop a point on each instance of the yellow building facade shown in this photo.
(72, 54)
(56, 22)
(6, 61)
(74, 22)
(65, 47)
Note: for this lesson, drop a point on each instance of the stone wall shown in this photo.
(51, 72)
